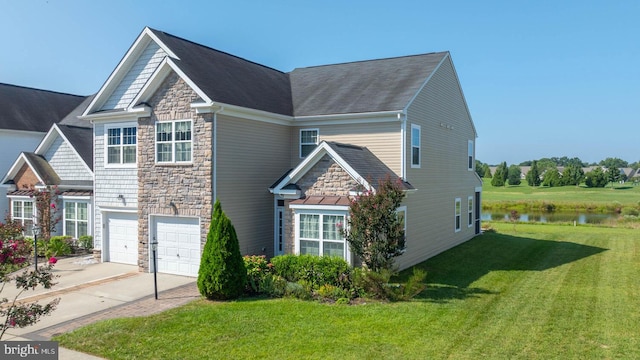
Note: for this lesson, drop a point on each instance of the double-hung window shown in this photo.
(76, 219)
(23, 212)
(308, 141)
(321, 234)
(470, 154)
(121, 145)
(415, 146)
(458, 214)
(174, 141)
(470, 211)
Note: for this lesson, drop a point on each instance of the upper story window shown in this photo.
(174, 141)
(458, 214)
(470, 154)
(415, 146)
(121, 145)
(308, 141)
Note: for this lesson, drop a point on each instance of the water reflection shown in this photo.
(580, 218)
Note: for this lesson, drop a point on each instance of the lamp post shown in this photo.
(36, 231)
(154, 247)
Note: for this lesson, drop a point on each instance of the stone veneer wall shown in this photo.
(327, 178)
(188, 186)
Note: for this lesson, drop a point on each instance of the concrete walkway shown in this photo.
(90, 292)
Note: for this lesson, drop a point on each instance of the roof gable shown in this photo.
(359, 162)
(38, 165)
(80, 140)
(28, 109)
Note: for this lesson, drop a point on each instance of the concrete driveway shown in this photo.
(90, 292)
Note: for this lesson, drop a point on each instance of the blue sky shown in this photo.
(541, 78)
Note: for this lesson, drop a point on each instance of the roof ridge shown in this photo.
(373, 60)
(43, 90)
(216, 50)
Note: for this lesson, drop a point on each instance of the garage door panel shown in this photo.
(178, 245)
(122, 235)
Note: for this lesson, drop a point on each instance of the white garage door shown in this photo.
(122, 237)
(178, 245)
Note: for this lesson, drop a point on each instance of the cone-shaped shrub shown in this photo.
(222, 273)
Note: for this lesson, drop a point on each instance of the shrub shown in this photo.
(58, 246)
(258, 271)
(85, 242)
(316, 270)
(222, 274)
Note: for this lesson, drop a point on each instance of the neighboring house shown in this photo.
(63, 163)
(26, 115)
(178, 125)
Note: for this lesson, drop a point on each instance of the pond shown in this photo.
(550, 217)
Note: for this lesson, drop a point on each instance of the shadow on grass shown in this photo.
(450, 274)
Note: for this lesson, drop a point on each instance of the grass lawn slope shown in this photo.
(523, 292)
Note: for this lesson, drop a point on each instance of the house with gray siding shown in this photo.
(61, 163)
(178, 125)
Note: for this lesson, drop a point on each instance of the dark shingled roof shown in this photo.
(28, 109)
(364, 86)
(229, 79)
(81, 138)
(42, 168)
(365, 163)
(72, 117)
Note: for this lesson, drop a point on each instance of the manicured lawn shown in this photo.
(567, 197)
(539, 292)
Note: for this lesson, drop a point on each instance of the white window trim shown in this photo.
(404, 210)
(173, 142)
(23, 199)
(74, 199)
(457, 216)
(321, 213)
(470, 211)
(419, 146)
(106, 145)
(470, 154)
(300, 143)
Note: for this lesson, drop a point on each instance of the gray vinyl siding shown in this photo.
(251, 155)
(66, 162)
(108, 184)
(382, 139)
(136, 77)
(446, 128)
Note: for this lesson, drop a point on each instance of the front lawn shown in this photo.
(539, 292)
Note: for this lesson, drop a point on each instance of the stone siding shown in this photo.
(173, 189)
(327, 178)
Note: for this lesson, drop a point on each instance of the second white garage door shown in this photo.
(122, 237)
(178, 245)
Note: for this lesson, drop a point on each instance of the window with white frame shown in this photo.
(173, 141)
(415, 146)
(458, 214)
(121, 145)
(76, 218)
(321, 235)
(470, 211)
(308, 141)
(470, 154)
(23, 211)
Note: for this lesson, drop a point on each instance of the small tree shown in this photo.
(552, 178)
(47, 209)
(376, 232)
(595, 178)
(572, 175)
(499, 175)
(533, 176)
(14, 255)
(222, 274)
(514, 175)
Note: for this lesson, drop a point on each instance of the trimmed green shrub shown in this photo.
(316, 270)
(222, 274)
(85, 242)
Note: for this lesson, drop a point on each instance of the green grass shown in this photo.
(525, 197)
(525, 292)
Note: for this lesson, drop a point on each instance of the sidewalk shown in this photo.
(91, 292)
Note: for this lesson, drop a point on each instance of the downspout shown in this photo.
(214, 167)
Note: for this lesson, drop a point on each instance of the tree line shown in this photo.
(544, 172)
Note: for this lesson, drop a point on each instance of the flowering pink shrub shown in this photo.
(52, 260)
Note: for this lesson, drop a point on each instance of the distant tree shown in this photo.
(487, 172)
(525, 163)
(505, 172)
(546, 163)
(595, 178)
(635, 165)
(533, 176)
(480, 168)
(222, 274)
(552, 178)
(572, 175)
(499, 175)
(574, 161)
(614, 162)
(613, 174)
(514, 175)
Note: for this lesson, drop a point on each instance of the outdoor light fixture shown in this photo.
(154, 248)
